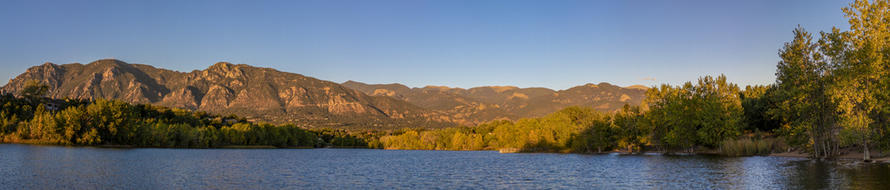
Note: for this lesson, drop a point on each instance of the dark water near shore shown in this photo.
(50, 167)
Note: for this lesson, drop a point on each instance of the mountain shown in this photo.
(269, 95)
(480, 104)
(260, 94)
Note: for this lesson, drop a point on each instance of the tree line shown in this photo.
(674, 119)
(834, 90)
(31, 119)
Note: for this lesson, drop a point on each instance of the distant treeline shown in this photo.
(103, 122)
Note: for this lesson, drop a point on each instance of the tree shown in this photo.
(671, 115)
(597, 137)
(631, 130)
(719, 111)
(802, 80)
(861, 57)
(704, 113)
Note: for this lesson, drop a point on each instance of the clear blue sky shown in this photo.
(554, 44)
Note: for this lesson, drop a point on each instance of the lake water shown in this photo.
(51, 167)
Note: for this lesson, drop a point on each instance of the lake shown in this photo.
(53, 167)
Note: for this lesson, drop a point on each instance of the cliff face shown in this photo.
(480, 104)
(260, 94)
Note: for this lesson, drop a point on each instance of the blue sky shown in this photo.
(554, 44)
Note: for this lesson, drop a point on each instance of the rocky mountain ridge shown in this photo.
(260, 94)
(269, 95)
(480, 104)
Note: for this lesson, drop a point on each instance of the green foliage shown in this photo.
(838, 84)
(757, 101)
(342, 138)
(599, 136)
(861, 61)
(803, 80)
(104, 122)
(704, 113)
(630, 129)
(572, 129)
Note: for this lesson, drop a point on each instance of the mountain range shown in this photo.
(481, 104)
(269, 95)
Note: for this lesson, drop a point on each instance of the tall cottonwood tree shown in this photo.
(861, 57)
(802, 80)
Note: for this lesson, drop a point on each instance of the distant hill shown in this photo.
(269, 95)
(260, 94)
(480, 104)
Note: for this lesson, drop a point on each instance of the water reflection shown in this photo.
(831, 175)
(49, 167)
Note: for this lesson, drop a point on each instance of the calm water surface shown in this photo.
(50, 167)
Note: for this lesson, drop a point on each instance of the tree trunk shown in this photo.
(816, 144)
(866, 156)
